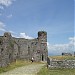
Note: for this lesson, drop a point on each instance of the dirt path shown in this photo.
(25, 70)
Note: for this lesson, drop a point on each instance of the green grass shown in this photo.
(18, 63)
(45, 71)
(13, 65)
(63, 57)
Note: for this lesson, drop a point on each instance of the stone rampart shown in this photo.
(61, 63)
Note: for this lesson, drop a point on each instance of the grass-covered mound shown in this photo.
(63, 57)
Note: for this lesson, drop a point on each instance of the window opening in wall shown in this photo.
(33, 50)
(36, 43)
(28, 50)
(32, 43)
(2, 50)
(9, 56)
(0, 42)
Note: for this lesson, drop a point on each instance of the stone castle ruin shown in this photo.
(12, 48)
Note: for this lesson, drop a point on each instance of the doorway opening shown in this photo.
(42, 57)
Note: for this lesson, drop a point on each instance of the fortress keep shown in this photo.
(12, 48)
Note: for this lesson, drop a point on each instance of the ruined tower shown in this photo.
(42, 36)
(6, 49)
(42, 39)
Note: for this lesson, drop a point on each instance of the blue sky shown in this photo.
(24, 18)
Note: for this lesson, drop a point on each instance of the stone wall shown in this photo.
(61, 63)
(12, 48)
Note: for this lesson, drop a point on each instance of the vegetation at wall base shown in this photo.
(46, 71)
(13, 65)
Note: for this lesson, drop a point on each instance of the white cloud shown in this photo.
(57, 49)
(2, 26)
(72, 40)
(23, 35)
(9, 16)
(12, 32)
(6, 2)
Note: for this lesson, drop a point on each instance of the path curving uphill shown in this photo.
(31, 69)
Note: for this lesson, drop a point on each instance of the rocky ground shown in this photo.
(31, 69)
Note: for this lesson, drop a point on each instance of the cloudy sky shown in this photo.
(24, 18)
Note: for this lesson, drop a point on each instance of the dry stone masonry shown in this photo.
(54, 63)
(12, 48)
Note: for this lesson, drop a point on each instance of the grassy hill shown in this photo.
(63, 57)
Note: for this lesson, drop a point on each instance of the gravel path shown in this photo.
(25, 70)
